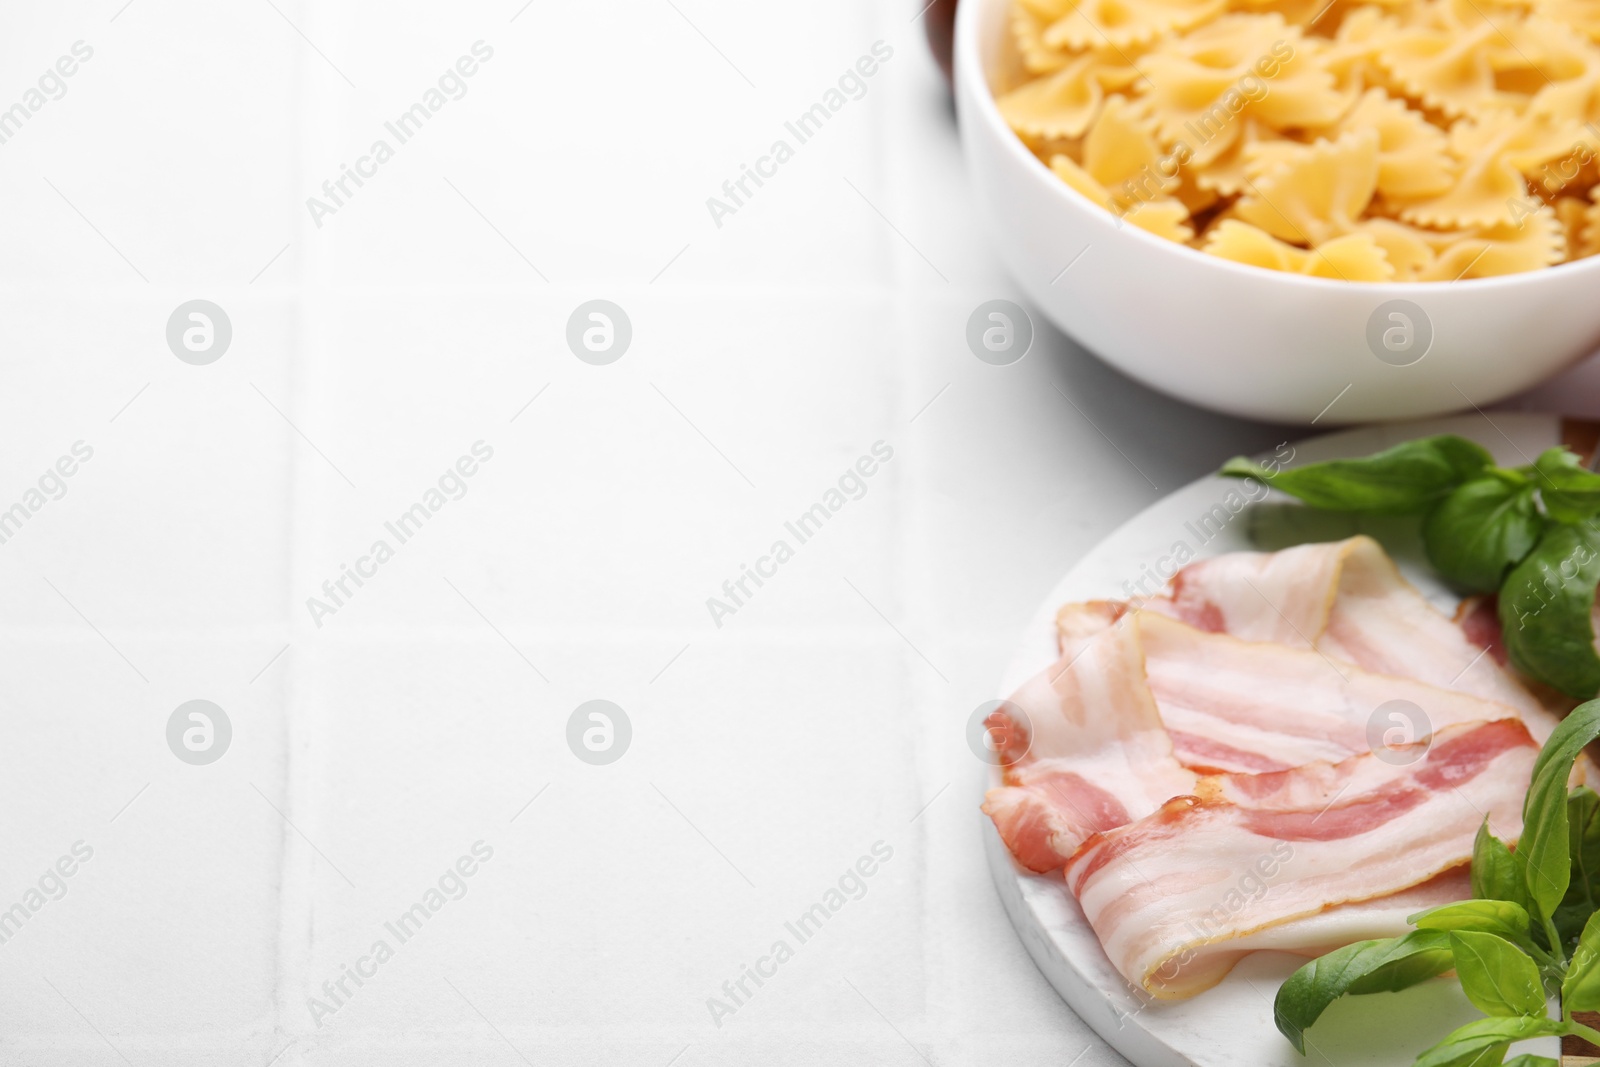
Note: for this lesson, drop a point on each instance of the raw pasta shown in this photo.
(1362, 140)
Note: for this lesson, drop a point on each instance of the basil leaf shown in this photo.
(1496, 873)
(1502, 918)
(1468, 1045)
(1545, 605)
(1401, 480)
(1483, 528)
(1580, 990)
(1528, 1059)
(1583, 893)
(1493, 1056)
(1497, 976)
(1382, 966)
(1570, 493)
(1545, 846)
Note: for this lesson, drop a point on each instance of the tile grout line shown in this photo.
(293, 943)
(896, 152)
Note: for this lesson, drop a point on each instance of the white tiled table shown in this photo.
(371, 752)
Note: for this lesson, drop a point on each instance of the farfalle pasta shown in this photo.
(1363, 140)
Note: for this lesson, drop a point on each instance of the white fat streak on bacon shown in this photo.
(1313, 935)
(1248, 706)
(1360, 920)
(1235, 705)
(1098, 755)
(1080, 622)
(1347, 600)
(1283, 597)
(1381, 622)
(1167, 894)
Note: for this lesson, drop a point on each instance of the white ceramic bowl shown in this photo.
(1240, 339)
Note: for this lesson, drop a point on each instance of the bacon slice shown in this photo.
(1249, 706)
(1144, 706)
(1479, 619)
(1348, 600)
(1283, 597)
(1233, 705)
(1167, 894)
(1079, 623)
(1098, 755)
(1314, 935)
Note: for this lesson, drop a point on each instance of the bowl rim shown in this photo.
(972, 82)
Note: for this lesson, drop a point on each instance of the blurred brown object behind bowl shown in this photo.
(940, 20)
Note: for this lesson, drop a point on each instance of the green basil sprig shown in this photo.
(1583, 890)
(1486, 1041)
(1531, 931)
(1571, 494)
(1497, 976)
(1503, 918)
(1387, 965)
(1532, 533)
(1483, 528)
(1402, 480)
(1496, 874)
(1545, 610)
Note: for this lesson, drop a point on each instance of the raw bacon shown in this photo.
(1097, 754)
(1201, 966)
(1164, 892)
(1135, 712)
(1348, 600)
(1234, 705)
(1183, 741)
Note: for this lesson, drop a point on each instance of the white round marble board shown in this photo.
(1231, 1025)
